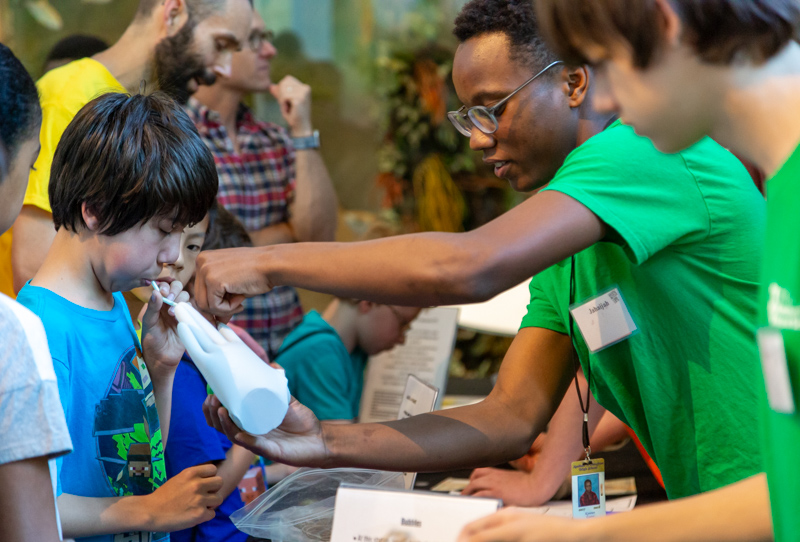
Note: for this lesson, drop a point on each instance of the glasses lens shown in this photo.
(257, 39)
(484, 120)
(461, 122)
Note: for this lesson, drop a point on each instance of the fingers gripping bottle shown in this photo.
(255, 394)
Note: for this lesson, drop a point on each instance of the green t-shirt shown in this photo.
(780, 308)
(322, 374)
(684, 249)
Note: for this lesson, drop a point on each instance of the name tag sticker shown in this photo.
(385, 515)
(603, 320)
(776, 370)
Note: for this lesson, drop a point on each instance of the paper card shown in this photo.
(425, 354)
(418, 398)
(603, 320)
(451, 485)
(563, 509)
(380, 515)
(588, 489)
(776, 370)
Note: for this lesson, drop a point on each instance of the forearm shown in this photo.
(471, 436)
(425, 269)
(89, 516)
(314, 210)
(162, 388)
(739, 512)
(272, 235)
(236, 463)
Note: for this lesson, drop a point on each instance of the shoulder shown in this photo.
(24, 341)
(72, 86)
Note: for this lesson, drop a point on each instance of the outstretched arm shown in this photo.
(735, 513)
(420, 269)
(532, 380)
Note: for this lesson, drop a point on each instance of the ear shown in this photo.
(89, 218)
(670, 22)
(576, 85)
(365, 306)
(173, 14)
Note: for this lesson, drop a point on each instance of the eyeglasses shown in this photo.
(404, 325)
(256, 39)
(485, 118)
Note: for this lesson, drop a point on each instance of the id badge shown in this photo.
(776, 370)
(603, 320)
(589, 488)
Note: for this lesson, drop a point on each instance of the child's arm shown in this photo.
(233, 468)
(162, 348)
(27, 501)
(182, 502)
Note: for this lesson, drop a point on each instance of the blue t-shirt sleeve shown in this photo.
(318, 377)
(191, 441)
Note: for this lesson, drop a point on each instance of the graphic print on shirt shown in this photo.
(128, 435)
(782, 313)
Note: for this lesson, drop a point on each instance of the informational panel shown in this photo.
(375, 515)
(425, 354)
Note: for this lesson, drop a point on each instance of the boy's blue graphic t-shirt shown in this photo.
(108, 401)
(193, 442)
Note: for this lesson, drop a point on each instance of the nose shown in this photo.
(172, 253)
(268, 50)
(479, 141)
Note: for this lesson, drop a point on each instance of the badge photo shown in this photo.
(589, 488)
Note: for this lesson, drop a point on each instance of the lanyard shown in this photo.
(584, 408)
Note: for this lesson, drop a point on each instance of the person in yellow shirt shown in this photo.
(171, 45)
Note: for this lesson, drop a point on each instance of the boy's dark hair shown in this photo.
(224, 230)
(720, 31)
(514, 18)
(75, 47)
(129, 159)
(20, 112)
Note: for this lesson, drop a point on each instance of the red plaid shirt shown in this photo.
(257, 186)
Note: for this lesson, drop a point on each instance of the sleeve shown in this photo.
(55, 120)
(541, 310)
(649, 199)
(191, 440)
(32, 419)
(318, 378)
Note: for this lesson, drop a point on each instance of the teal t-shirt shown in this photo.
(684, 246)
(322, 374)
(780, 309)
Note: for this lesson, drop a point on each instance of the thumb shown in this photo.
(275, 90)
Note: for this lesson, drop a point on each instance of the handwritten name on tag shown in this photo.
(603, 320)
(380, 515)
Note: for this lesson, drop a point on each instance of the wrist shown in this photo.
(142, 513)
(301, 131)
(328, 436)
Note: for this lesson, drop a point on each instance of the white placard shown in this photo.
(603, 320)
(375, 515)
(501, 315)
(425, 354)
(418, 398)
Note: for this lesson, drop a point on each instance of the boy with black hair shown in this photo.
(676, 237)
(129, 174)
(32, 423)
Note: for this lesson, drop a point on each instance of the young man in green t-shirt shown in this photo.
(729, 69)
(678, 235)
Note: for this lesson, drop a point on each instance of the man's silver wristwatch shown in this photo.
(308, 142)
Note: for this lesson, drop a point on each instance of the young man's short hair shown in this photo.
(130, 159)
(514, 18)
(720, 31)
(20, 112)
(224, 230)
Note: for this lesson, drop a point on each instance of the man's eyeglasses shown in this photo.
(485, 118)
(256, 39)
